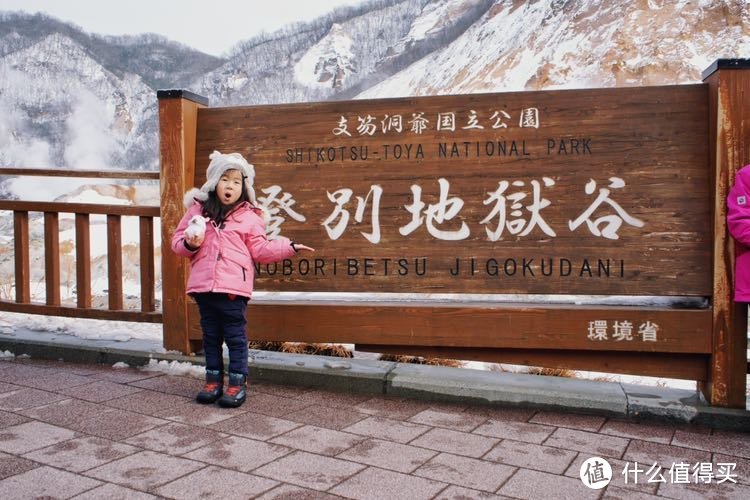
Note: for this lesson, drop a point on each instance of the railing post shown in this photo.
(52, 258)
(178, 117)
(83, 261)
(148, 301)
(21, 251)
(729, 146)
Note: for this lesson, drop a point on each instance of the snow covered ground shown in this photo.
(145, 337)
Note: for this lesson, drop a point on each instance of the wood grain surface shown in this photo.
(506, 203)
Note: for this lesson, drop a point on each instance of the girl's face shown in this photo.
(230, 186)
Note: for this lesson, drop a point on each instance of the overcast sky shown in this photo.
(210, 26)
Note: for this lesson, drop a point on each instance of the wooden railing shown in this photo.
(53, 305)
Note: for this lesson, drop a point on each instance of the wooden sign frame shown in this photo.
(576, 192)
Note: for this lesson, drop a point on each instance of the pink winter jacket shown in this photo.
(224, 262)
(738, 221)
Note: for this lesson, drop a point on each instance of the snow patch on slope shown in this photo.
(328, 62)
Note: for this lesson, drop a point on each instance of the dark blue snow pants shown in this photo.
(223, 320)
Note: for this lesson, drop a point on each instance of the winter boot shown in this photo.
(213, 389)
(235, 394)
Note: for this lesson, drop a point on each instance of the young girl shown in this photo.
(738, 222)
(222, 270)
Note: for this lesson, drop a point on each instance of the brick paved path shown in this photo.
(92, 431)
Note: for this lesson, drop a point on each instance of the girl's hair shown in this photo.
(215, 210)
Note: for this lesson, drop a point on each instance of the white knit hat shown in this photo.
(220, 163)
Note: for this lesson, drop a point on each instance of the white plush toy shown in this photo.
(196, 227)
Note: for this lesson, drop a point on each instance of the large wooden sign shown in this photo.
(600, 191)
(562, 192)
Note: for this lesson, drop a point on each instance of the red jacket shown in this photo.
(738, 222)
(224, 262)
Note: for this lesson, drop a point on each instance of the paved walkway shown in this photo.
(94, 431)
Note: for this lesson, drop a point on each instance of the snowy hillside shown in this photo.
(78, 100)
(71, 99)
(96, 119)
(579, 44)
(300, 63)
(329, 62)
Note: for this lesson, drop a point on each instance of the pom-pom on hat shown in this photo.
(220, 163)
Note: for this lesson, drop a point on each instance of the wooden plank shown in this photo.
(520, 192)
(114, 262)
(83, 261)
(76, 312)
(682, 366)
(729, 133)
(148, 299)
(21, 256)
(511, 326)
(92, 174)
(177, 136)
(52, 258)
(195, 334)
(76, 208)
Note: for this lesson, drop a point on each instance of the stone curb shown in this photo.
(341, 374)
(436, 383)
(507, 389)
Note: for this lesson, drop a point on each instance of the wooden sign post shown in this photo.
(729, 134)
(178, 111)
